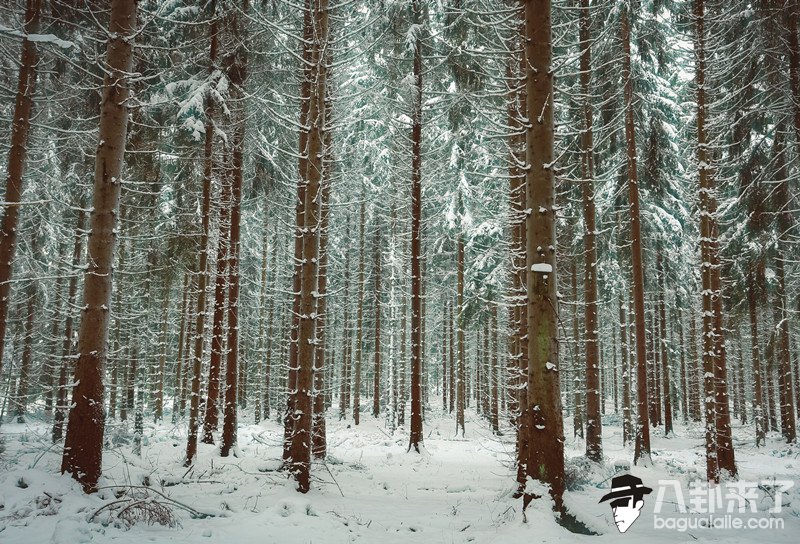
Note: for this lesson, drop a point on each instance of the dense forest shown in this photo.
(256, 231)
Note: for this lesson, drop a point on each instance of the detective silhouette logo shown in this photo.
(741, 504)
(627, 499)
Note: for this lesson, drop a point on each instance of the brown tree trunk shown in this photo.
(577, 412)
(713, 336)
(401, 414)
(20, 133)
(359, 320)
(211, 419)
(302, 187)
(545, 455)
(758, 395)
(451, 354)
(785, 224)
(494, 372)
(665, 374)
(319, 446)
(444, 355)
(627, 428)
(415, 438)
(344, 385)
(25, 376)
(685, 380)
(642, 449)
(200, 316)
(461, 371)
(83, 447)
(236, 68)
(594, 438)
(50, 369)
(301, 436)
(696, 382)
(516, 108)
(158, 410)
(178, 401)
(376, 385)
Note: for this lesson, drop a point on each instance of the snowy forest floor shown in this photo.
(369, 490)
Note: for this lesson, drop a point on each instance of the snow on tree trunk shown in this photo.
(642, 435)
(83, 447)
(415, 438)
(20, 132)
(545, 455)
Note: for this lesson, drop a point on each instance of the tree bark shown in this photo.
(785, 224)
(713, 336)
(460, 371)
(319, 447)
(236, 68)
(376, 386)
(627, 428)
(594, 438)
(83, 447)
(359, 319)
(202, 282)
(545, 455)
(665, 372)
(415, 438)
(20, 134)
(642, 448)
(301, 437)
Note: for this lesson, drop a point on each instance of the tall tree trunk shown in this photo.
(415, 438)
(359, 319)
(785, 225)
(158, 410)
(642, 449)
(460, 372)
(758, 395)
(20, 133)
(713, 335)
(178, 391)
(319, 447)
(444, 355)
(594, 438)
(577, 411)
(401, 415)
(66, 349)
(665, 373)
(451, 354)
(211, 419)
(685, 380)
(25, 376)
(83, 447)
(495, 374)
(545, 455)
(627, 429)
(696, 366)
(376, 386)
(237, 74)
(302, 187)
(50, 368)
(202, 282)
(344, 385)
(301, 437)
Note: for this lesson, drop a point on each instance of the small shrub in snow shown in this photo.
(136, 507)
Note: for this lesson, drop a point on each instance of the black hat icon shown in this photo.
(625, 486)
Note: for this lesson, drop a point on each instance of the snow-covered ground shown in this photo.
(370, 489)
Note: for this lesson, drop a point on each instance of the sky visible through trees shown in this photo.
(565, 227)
